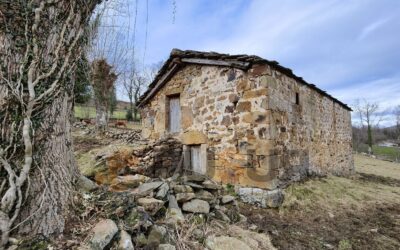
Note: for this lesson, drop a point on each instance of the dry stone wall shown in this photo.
(255, 133)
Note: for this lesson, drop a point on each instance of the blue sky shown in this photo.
(349, 48)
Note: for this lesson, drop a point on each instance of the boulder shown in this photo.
(174, 213)
(196, 206)
(162, 191)
(210, 185)
(225, 243)
(103, 232)
(166, 247)
(183, 197)
(121, 183)
(227, 198)
(183, 189)
(85, 184)
(151, 205)
(125, 241)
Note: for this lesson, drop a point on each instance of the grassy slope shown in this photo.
(368, 165)
(360, 212)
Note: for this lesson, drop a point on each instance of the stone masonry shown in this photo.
(259, 126)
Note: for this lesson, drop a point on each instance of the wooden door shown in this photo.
(196, 159)
(174, 115)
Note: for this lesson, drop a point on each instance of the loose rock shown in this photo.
(225, 243)
(147, 188)
(103, 233)
(183, 197)
(86, 184)
(210, 185)
(196, 206)
(125, 241)
(157, 235)
(166, 247)
(151, 205)
(121, 183)
(183, 189)
(204, 195)
(194, 178)
(162, 191)
(174, 213)
(227, 198)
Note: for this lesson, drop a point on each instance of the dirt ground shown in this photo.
(361, 212)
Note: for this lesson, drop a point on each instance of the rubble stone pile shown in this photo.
(129, 136)
(159, 158)
(147, 211)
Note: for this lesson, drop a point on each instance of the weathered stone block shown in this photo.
(255, 93)
(193, 137)
(244, 106)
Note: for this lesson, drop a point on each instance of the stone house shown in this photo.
(246, 120)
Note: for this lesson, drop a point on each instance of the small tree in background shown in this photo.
(113, 100)
(369, 117)
(102, 80)
(82, 87)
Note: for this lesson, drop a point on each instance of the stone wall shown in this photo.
(253, 131)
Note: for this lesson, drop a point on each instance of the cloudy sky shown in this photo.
(349, 48)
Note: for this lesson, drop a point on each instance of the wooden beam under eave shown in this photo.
(226, 63)
(160, 83)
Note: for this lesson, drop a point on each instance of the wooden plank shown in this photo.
(235, 64)
(174, 115)
(195, 159)
(160, 84)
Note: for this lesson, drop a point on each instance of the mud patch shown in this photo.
(379, 179)
(377, 227)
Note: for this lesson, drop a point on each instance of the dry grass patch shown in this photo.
(368, 165)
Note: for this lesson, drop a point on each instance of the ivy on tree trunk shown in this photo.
(40, 44)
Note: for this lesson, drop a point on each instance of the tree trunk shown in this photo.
(53, 174)
(101, 117)
(369, 138)
(40, 43)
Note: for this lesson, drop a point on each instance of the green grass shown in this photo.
(390, 152)
(90, 112)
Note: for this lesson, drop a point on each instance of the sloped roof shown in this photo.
(178, 58)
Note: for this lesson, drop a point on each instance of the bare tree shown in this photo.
(133, 85)
(369, 117)
(102, 80)
(40, 43)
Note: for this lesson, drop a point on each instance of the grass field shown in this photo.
(387, 153)
(90, 112)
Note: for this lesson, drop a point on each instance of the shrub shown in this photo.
(129, 115)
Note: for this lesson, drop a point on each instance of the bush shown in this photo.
(129, 115)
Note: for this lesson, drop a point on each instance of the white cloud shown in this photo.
(372, 27)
